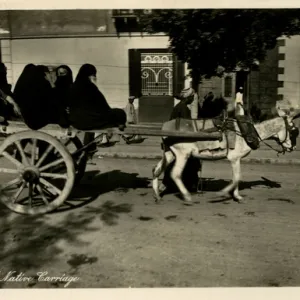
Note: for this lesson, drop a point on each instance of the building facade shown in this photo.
(274, 83)
(130, 62)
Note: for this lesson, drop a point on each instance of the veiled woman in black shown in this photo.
(63, 83)
(8, 107)
(38, 99)
(88, 107)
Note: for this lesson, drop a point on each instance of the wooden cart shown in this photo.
(43, 166)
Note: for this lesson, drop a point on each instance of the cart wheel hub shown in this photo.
(31, 175)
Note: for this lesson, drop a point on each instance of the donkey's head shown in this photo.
(287, 136)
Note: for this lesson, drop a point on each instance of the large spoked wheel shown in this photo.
(35, 181)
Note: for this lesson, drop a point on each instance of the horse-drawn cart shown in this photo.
(38, 169)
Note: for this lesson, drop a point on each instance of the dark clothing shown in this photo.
(181, 111)
(212, 107)
(190, 172)
(6, 109)
(4, 86)
(38, 101)
(63, 85)
(88, 107)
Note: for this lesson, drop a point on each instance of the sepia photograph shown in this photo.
(149, 148)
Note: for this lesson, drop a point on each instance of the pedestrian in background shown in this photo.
(131, 119)
(130, 111)
(239, 97)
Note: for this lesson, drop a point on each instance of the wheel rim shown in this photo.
(31, 184)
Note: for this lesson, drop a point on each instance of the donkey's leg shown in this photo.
(176, 174)
(236, 174)
(236, 179)
(200, 181)
(168, 157)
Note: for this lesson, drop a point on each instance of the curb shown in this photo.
(148, 156)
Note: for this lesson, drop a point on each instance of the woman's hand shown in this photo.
(17, 110)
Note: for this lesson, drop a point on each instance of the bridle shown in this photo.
(290, 130)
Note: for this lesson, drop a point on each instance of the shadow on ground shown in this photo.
(95, 184)
(216, 185)
(28, 243)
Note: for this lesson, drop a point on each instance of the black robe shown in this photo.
(38, 101)
(90, 110)
(63, 85)
(6, 109)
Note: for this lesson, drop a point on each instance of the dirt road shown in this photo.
(112, 234)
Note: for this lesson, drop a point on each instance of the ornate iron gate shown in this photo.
(157, 74)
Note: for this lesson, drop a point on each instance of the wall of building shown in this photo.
(263, 83)
(108, 54)
(6, 58)
(289, 72)
(263, 87)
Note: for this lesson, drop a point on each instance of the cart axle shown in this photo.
(31, 175)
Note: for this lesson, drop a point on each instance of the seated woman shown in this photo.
(38, 99)
(63, 83)
(8, 107)
(89, 108)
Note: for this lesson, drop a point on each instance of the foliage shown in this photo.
(213, 41)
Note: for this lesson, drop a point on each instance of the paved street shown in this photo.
(112, 234)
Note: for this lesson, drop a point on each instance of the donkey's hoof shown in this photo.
(187, 200)
(157, 199)
(239, 199)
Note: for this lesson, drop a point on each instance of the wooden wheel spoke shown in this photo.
(68, 142)
(54, 175)
(11, 183)
(40, 190)
(22, 153)
(50, 185)
(9, 171)
(30, 193)
(45, 154)
(18, 193)
(33, 151)
(12, 159)
(53, 164)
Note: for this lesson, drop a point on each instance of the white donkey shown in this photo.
(280, 128)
